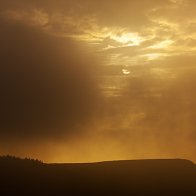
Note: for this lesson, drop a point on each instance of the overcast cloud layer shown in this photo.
(97, 80)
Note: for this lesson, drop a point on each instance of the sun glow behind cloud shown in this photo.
(119, 35)
(127, 39)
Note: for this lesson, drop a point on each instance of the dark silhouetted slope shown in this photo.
(139, 177)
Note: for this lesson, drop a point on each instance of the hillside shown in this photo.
(138, 177)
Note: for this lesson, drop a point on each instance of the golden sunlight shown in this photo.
(127, 39)
(97, 65)
(163, 44)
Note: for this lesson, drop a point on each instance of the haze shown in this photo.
(93, 80)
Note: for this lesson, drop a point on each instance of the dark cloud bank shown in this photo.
(46, 83)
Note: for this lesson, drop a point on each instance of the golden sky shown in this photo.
(93, 80)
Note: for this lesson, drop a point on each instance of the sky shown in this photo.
(93, 80)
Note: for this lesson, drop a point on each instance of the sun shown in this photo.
(125, 71)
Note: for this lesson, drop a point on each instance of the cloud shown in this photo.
(99, 22)
(48, 84)
(87, 14)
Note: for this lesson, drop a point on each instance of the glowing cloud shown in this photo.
(128, 39)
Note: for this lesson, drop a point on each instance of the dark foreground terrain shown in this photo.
(141, 177)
